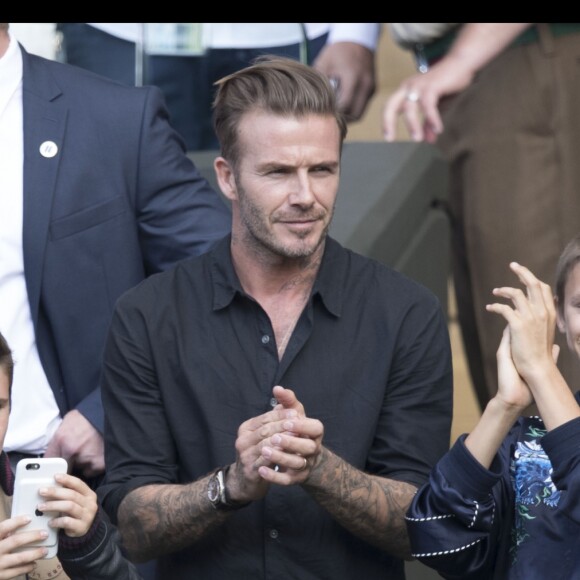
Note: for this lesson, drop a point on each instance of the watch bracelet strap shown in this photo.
(225, 501)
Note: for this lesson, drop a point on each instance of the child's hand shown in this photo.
(531, 319)
(75, 501)
(512, 389)
(15, 564)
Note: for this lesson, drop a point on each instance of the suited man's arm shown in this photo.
(178, 214)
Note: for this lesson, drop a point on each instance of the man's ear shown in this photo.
(226, 178)
(560, 320)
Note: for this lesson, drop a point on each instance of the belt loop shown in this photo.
(546, 38)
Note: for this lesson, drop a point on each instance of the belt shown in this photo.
(428, 53)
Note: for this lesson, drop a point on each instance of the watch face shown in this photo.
(213, 489)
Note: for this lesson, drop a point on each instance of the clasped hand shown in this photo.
(281, 446)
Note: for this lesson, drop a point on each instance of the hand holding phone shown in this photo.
(31, 475)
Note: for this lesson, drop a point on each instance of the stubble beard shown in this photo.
(263, 241)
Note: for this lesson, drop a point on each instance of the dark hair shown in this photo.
(276, 85)
(568, 259)
(6, 360)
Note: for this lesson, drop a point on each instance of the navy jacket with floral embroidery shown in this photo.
(518, 520)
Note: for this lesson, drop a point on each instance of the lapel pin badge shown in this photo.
(48, 149)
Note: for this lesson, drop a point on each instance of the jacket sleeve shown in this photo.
(563, 448)
(178, 213)
(455, 521)
(97, 555)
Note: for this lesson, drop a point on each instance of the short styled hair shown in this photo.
(6, 360)
(568, 259)
(277, 85)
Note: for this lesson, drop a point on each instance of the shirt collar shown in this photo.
(10, 71)
(329, 283)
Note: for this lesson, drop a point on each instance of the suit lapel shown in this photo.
(44, 114)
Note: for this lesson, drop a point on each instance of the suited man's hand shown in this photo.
(352, 66)
(80, 444)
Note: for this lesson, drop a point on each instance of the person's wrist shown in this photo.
(508, 408)
(218, 493)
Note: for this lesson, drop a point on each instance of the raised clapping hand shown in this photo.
(531, 321)
(280, 446)
(512, 389)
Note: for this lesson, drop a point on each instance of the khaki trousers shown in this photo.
(512, 140)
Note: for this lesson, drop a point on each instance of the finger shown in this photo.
(362, 91)
(306, 428)
(555, 353)
(73, 526)
(287, 398)
(10, 525)
(290, 455)
(55, 494)
(358, 105)
(503, 310)
(248, 444)
(504, 343)
(391, 111)
(516, 295)
(432, 123)
(286, 461)
(76, 485)
(276, 414)
(535, 287)
(22, 539)
(345, 94)
(20, 563)
(413, 117)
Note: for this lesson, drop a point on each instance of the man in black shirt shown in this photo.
(272, 406)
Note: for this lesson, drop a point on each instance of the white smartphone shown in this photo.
(31, 475)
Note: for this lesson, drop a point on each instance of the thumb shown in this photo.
(555, 353)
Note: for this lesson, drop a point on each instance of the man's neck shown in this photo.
(265, 279)
(4, 42)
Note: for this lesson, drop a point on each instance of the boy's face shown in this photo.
(569, 312)
(4, 405)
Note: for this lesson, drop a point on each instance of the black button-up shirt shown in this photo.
(190, 356)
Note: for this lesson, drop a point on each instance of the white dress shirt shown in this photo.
(261, 34)
(34, 415)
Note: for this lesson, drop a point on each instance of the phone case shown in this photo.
(32, 474)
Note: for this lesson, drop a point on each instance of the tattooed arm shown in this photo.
(159, 519)
(369, 506)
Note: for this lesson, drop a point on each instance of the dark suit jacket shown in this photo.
(119, 200)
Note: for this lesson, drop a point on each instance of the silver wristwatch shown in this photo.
(217, 494)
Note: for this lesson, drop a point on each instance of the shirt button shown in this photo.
(273, 402)
(265, 339)
(273, 534)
